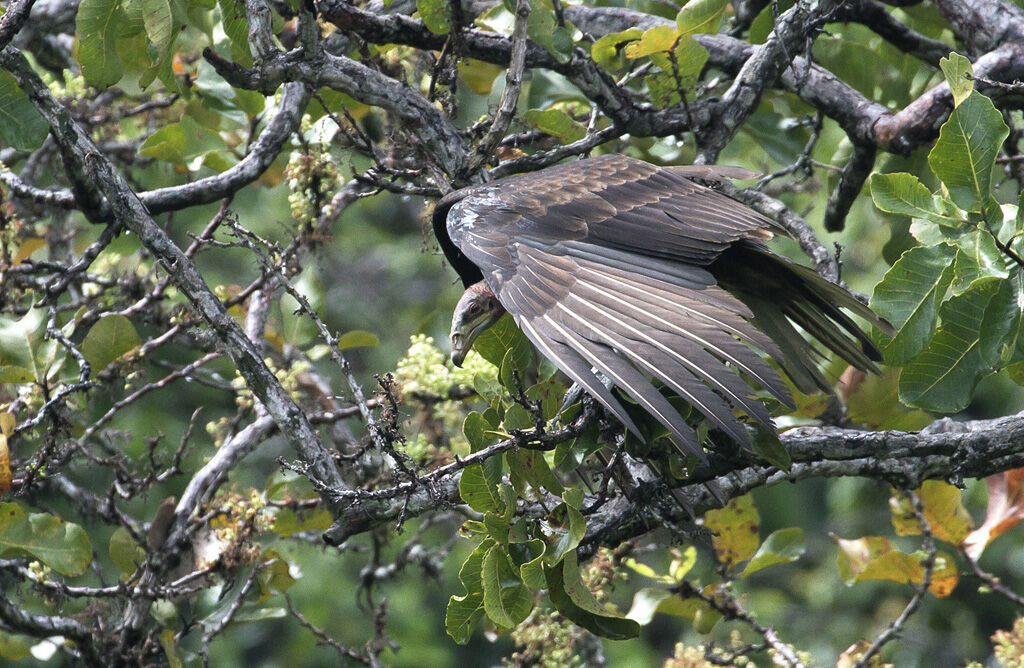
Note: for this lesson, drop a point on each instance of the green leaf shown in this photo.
(125, 554)
(542, 28)
(21, 341)
(768, 447)
(965, 153)
(180, 142)
(288, 522)
(782, 546)
(61, 545)
(21, 126)
(907, 297)
(557, 123)
(357, 338)
(159, 22)
(942, 378)
(956, 68)
(700, 16)
(462, 615)
(564, 529)
(470, 571)
(97, 27)
(436, 15)
(501, 337)
(607, 51)
(236, 27)
(477, 491)
(532, 571)
(905, 195)
(563, 578)
(977, 256)
(108, 340)
(14, 647)
(507, 600)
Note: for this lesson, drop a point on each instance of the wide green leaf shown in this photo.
(436, 15)
(462, 615)
(557, 123)
(20, 341)
(907, 297)
(61, 545)
(159, 21)
(965, 153)
(957, 68)
(542, 28)
(607, 51)
(474, 488)
(507, 600)
(564, 530)
(942, 378)
(124, 552)
(904, 194)
(782, 546)
(562, 579)
(236, 27)
(21, 126)
(501, 337)
(977, 256)
(110, 338)
(97, 27)
(700, 16)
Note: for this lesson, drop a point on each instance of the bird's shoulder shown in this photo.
(612, 201)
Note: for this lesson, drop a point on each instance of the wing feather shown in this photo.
(613, 265)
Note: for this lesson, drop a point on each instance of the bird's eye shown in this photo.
(474, 309)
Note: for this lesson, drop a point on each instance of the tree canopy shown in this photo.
(229, 429)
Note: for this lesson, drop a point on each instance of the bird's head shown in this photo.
(476, 311)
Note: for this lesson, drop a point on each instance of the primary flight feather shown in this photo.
(640, 272)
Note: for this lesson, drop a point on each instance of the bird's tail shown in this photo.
(781, 294)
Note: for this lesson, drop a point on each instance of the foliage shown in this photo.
(229, 430)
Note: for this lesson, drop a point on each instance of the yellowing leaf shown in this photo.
(1005, 510)
(478, 75)
(946, 515)
(357, 338)
(656, 40)
(7, 423)
(27, 247)
(6, 477)
(877, 558)
(736, 530)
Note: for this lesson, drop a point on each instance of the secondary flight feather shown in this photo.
(639, 272)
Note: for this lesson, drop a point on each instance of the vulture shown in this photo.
(615, 266)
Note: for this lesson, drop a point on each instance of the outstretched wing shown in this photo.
(603, 264)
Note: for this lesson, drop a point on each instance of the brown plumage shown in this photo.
(637, 271)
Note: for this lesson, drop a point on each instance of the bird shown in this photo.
(615, 267)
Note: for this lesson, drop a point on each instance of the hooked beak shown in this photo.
(462, 343)
(459, 348)
(464, 334)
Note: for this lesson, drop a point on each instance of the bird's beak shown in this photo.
(462, 338)
(460, 348)
(464, 333)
